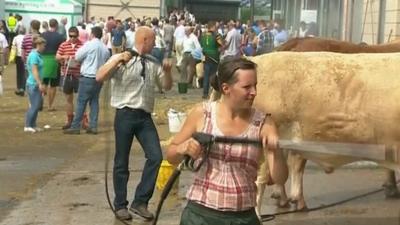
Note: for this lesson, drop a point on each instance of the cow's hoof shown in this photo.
(275, 195)
(282, 203)
(391, 191)
(299, 205)
(329, 170)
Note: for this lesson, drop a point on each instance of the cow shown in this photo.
(310, 44)
(330, 97)
(313, 44)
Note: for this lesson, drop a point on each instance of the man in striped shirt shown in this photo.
(27, 42)
(70, 71)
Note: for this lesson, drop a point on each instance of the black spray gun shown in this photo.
(206, 141)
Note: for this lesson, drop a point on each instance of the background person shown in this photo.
(19, 63)
(34, 86)
(51, 78)
(70, 72)
(91, 55)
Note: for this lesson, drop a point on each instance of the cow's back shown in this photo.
(331, 96)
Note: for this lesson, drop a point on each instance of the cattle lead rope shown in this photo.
(106, 97)
(268, 217)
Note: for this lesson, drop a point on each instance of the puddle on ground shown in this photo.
(73, 206)
(84, 180)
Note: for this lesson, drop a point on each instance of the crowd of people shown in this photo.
(135, 55)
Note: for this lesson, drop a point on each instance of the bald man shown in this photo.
(133, 76)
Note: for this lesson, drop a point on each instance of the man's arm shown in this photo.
(111, 65)
(81, 54)
(167, 76)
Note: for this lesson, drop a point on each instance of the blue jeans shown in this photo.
(88, 92)
(210, 68)
(36, 101)
(127, 124)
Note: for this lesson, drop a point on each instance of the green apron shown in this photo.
(50, 66)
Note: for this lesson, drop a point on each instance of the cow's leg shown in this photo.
(296, 171)
(279, 193)
(261, 182)
(390, 185)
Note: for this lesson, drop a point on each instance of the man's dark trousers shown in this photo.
(127, 124)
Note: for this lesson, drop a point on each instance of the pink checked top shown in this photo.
(226, 181)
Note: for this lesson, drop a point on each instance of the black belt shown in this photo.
(207, 210)
(133, 110)
(88, 77)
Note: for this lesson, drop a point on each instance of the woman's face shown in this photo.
(243, 92)
(41, 47)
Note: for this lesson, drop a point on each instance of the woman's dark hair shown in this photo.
(227, 71)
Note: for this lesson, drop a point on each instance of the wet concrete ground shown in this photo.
(50, 178)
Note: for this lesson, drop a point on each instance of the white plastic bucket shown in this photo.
(175, 120)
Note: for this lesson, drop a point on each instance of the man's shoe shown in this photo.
(72, 131)
(141, 210)
(20, 93)
(123, 214)
(66, 126)
(91, 131)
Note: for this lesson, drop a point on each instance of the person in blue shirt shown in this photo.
(34, 85)
(118, 38)
(91, 55)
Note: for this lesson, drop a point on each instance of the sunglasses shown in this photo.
(73, 36)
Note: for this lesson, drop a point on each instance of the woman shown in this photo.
(34, 86)
(224, 189)
(4, 41)
(248, 47)
(45, 27)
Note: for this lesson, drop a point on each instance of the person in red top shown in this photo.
(27, 42)
(224, 189)
(70, 71)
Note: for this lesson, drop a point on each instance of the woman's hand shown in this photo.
(42, 89)
(269, 135)
(190, 147)
(270, 141)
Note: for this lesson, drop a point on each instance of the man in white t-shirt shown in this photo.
(179, 35)
(232, 42)
(188, 65)
(19, 63)
(130, 37)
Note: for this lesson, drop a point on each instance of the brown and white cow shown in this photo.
(322, 96)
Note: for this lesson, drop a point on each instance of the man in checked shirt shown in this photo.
(133, 78)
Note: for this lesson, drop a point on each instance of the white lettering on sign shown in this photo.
(38, 6)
